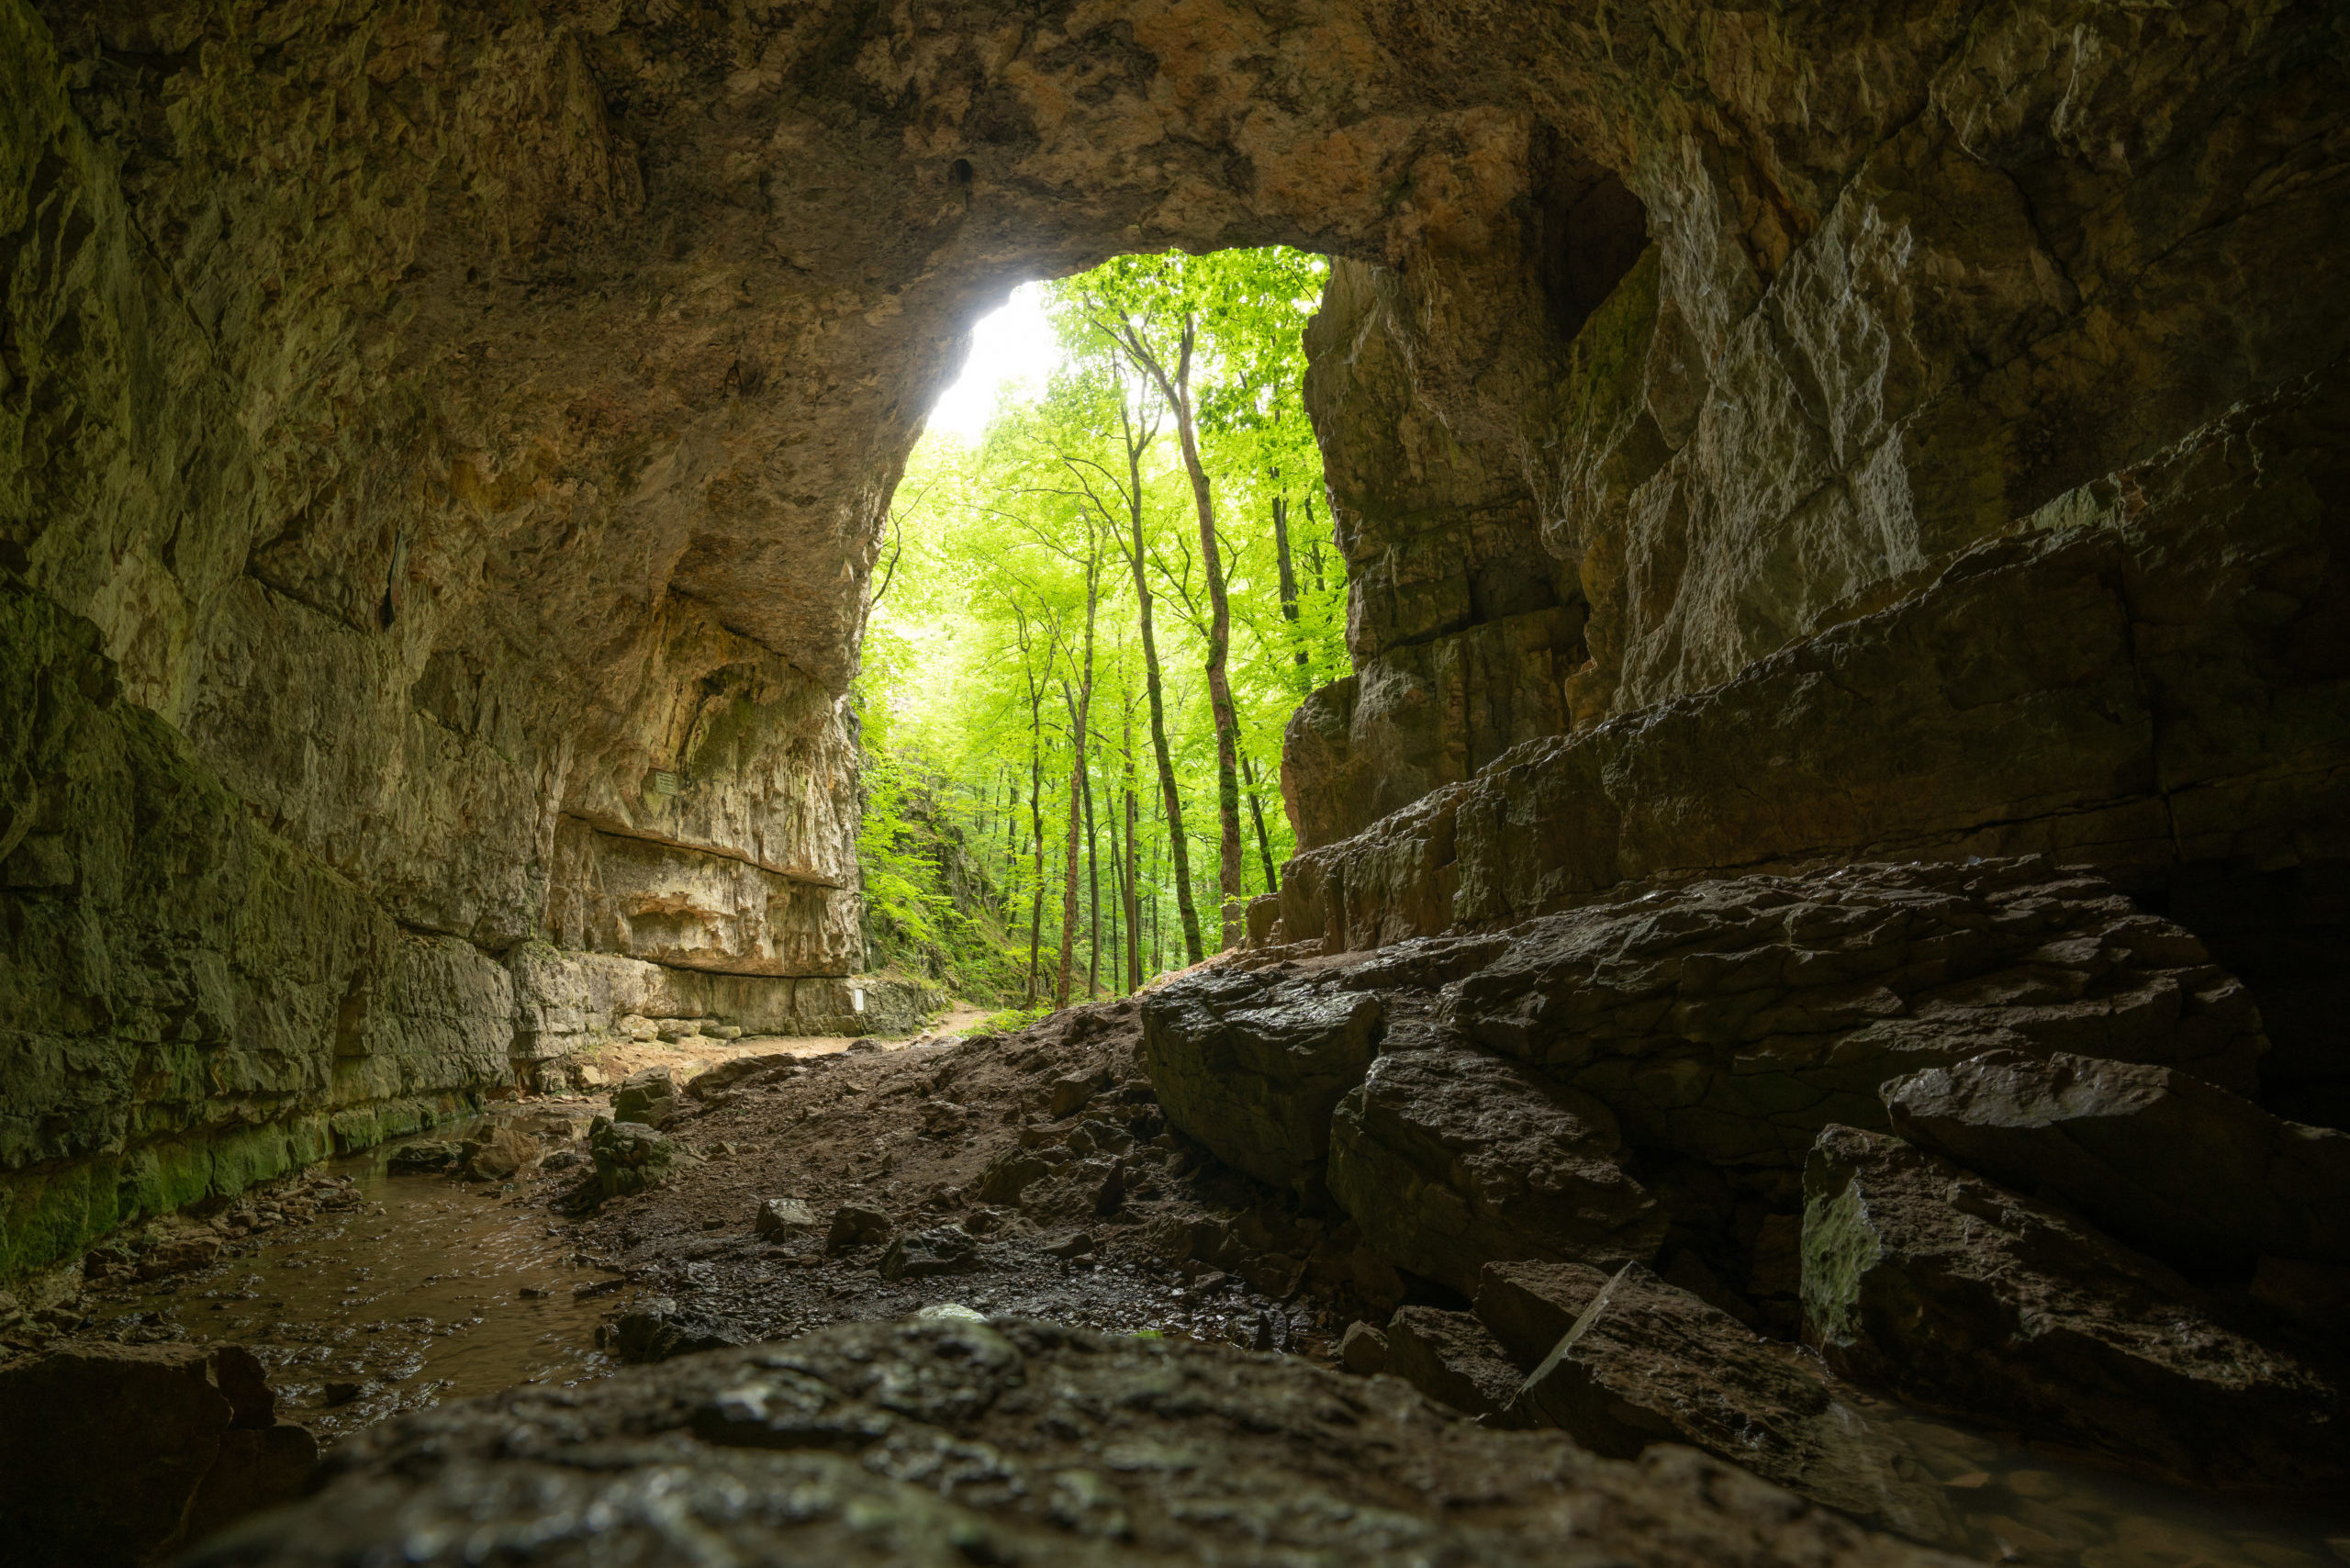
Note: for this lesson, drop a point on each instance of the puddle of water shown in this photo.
(2017, 1502)
(426, 1289)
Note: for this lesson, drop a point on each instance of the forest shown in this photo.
(1090, 625)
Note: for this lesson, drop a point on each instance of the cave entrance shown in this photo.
(1108, 580)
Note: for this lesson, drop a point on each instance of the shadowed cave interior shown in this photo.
(1805, 1019)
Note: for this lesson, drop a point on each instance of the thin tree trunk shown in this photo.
(1036, 815)
(1288, 579)
(1094, 894)
(1080, 703)
(1133, 864)
(1177, 389)
(1257, 810)
(1118, 905)
(1170, 798)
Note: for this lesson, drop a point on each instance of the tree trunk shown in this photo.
(1288, 580)
(1133, 864)
(1117, 906)
(1177, 389)
(1081, 704)
(1257, 810)
(1036, 812)
(1094, 894)
(1170, 798)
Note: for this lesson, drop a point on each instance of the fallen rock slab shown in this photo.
(1451, 1358)
(1925, 1279)
(1451, 1159)
(947, 1441)
(1251, 1065)
(2158, 1159)
(1648, 1362)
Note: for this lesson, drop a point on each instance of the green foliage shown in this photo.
(976, 654)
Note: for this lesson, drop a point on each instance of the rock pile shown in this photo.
(1632, 1136)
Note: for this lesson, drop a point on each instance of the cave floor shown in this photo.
(370, 1293)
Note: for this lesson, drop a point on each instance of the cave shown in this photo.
(1861, 494)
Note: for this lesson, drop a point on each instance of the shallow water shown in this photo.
(432, 1289)
(2015, 1502)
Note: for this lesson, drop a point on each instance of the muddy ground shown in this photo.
(1046, 1148)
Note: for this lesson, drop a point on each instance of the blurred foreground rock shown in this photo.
(951, 1442)
(120, 1454)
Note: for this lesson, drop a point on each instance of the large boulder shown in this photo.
(2162, 1160)
(1251, 1065)
(120, 1454)
(1924, 1278)
(1015, 1441)
(1648, 1362)
(1451, 1159)
(1730, 1020)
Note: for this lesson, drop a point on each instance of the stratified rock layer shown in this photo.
(1017, 1441)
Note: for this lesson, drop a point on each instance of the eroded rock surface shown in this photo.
(1015, 1441)
(1922, 1278)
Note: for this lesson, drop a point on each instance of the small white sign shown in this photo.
(856, 999)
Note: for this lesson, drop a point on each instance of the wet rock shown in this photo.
(945, 1249)
(119, 1454)
(1451, 1358)
(501, 1154)
(1922, 1278)
(781, 1218)
(853, 1225)
(950, 1440)
(631, 1158)
(177, 1253)
(1530, 1306)
(1647, 1362)
(2160, 1160)
(1362, 1350)
(424, 1157)
(648, 1098)
(1728, 1020)
(1449, 1159)
(1251, 1065)
(657, 1328)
